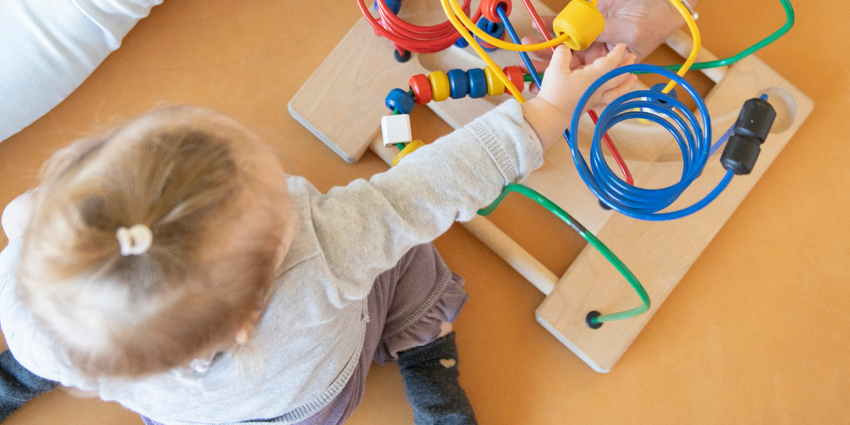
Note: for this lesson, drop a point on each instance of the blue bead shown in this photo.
(401, 100)
(477, 83)
(394, 5)
(486, 49)
(497, 30)
(459, 83)
(461, 42)
(659, 88)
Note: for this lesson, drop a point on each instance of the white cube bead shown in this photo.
(396, 129)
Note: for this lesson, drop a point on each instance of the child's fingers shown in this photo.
(628, 59)
(594, 52)
(609, 61)
(613, 83)
(561, 59)
(621, 89)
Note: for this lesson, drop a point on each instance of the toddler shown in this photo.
(172, 266)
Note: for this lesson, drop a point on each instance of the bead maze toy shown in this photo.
(589, 309)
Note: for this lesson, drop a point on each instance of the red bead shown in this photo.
(421, 88)
(514, 74)
(488, 9)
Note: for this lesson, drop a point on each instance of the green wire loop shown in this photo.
(789, 23)
(590, 238)
(586, 234)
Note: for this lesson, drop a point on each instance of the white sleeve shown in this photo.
(365, 227)
(49, 47)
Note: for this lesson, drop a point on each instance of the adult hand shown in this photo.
(642, 25)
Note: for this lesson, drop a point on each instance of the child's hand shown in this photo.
(17, 215)
(562, 89)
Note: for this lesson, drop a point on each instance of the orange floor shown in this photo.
(757, 333)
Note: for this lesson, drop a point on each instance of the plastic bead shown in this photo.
(477, 83)
(421, 88)
(581, 21)
(461, 42)
(459, 83)
(440, 88)
(396, 129)
(401, 100)
(495, 29)
(495, 86)
(394, 5)
(660, 88)
(409, 149)
(750, 131)
(488, 9)
(487, 46)
(514, 74)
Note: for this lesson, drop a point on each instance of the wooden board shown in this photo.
(343, 101)
(660, 254)
(344, 111)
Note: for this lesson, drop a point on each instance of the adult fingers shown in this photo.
(545, 54)
(539, 65)
(594, 52)
(547, 21)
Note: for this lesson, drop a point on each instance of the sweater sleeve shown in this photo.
(364, 228)
(31, 347)
(50, 47)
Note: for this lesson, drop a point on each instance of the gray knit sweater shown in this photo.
(309, 340)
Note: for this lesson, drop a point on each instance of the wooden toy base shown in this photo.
(342, 104)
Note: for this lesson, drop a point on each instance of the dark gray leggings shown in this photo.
(18, 385)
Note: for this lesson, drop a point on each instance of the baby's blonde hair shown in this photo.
(208, 272)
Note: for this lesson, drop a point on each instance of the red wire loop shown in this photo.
(414, 38)
(614, 152)
(608, 142)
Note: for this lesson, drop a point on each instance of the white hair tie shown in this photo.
(136, 240)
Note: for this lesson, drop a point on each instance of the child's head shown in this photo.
(215, 201)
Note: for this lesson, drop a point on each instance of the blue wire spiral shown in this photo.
(693, 139)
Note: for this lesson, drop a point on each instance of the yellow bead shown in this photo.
(581, 21)
(412, 146)
(495, 86)
(440, 88)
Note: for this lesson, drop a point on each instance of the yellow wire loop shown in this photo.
(487, 38)
(479, 50)
(692, 25)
